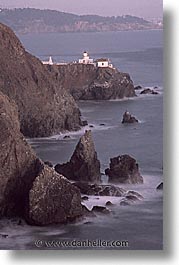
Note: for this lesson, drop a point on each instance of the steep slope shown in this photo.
(44, 106)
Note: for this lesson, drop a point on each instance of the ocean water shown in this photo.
(140, 54)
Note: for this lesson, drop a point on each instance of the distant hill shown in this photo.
(30, 20)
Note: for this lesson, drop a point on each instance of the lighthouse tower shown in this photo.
(86, 59)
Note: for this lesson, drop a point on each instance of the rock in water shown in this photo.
(84, 164)
(160, 186)
(138, 87)
(128, 118)
(149, 91)
(29, 188)
(53, 199)
(44, 106)
(100, 190)
(124, 169)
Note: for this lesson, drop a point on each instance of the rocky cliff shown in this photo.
(87, 82)
(29, 188)
(44, 106)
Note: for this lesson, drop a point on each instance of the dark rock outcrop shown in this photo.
(149, 91)
(100, 190)
(29, 188)
(138, 88)
(130, 198)
(84, 123)
(124, 169)
(109, 203)
(44, 106)
(128, 118)
(100, 209)
(87, 82)
(160, 186)
(84, 164)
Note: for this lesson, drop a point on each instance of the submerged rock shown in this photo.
(149, 91)
(84, 164)
(138, 88)
(100, 209)
(109, 203)
(128, 118)
(66, 137)
(124, 169)
(100, 190)
(87, 212)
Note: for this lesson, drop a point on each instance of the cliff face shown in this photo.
(29, 188)
(44, 106)
(86, 82)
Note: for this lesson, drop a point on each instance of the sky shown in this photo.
(141, 8)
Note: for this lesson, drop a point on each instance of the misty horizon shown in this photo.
(147, 9)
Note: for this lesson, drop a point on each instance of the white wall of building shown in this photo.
(103, 64)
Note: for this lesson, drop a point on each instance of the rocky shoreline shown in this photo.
(39, 101)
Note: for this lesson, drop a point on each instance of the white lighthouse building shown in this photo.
(86, 59)
(50, 61)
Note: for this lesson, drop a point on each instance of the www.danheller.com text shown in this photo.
(98, 243)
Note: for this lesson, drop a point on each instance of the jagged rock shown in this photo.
(149, 91)
(87, 82)
(29, 188)
(128, 118)
(44, 106)
(100, 190)
(84, 164)
(100, 209)
(160, 186)
(48, 163)
(53, 199)
(124, 169)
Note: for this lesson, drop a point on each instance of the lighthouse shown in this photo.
(86, 59)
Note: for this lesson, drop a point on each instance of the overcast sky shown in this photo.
(142, 8)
